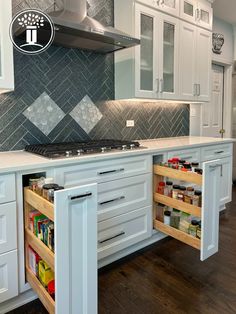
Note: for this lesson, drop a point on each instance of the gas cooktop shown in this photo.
(73, 149)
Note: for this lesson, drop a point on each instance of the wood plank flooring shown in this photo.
(168, 277)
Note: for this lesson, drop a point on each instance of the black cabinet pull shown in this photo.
(76, 197)
(111, 201)
(112, 237)
(110, 171)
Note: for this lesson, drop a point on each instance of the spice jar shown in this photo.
(198, 171)
(190, 191)
(195, 165)
(160, 212)
(39, 188)
(167, 215)
(199, 230)
(175, 191)
(33, 184)
(197, 199)
(169, 187)
(187, 199)
(46, 190)
(175, 219)
(59, 188)
(187, 166)
(161, 188)
(193, 228)
(181, 193)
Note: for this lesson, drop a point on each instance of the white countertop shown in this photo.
(20, 160)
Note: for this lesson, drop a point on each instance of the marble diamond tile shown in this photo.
(44, 113)
(86, 114)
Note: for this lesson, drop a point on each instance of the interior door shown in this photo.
(146, 55)
(210, 208)
(76, 250)
(212, 113)
(187, 64)
(169, 56)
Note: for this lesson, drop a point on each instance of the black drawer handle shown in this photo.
(220, 152)
(111, 201)
(111, 171)
(76, 197)
(112, 237)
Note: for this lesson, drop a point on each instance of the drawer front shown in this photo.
(7, 227)
(7, 188)
(103, 171)
(192, 155)
(123, 231)
(8, 276)
(123, 196)
(216, 151)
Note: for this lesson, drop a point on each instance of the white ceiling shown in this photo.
(225, 10)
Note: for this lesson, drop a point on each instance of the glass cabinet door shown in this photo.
(188, 9)
(205, 16)
(170, 6)
(168, 83)
(146, 54)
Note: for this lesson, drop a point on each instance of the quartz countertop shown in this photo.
(15, 161)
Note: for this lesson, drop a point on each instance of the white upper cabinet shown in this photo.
(195, 63)
(6, 48)
(168, 6)
(197, 12)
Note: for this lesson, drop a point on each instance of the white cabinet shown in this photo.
(199, 13)
(226, 181)
(191, 155)
(7, 188)
(8, 240)
(168, 6)
(148, 71)
(195, 63)
(8, 276)
(6, 48)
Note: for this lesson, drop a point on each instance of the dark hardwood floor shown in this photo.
(168, 277)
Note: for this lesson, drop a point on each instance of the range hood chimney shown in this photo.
(74, 29)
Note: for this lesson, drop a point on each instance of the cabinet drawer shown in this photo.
(123, 231)
(186, 154)
(7, 188)
(8, 276)
(216, 151)
(122, 196)
(7, 227)
(103, 171)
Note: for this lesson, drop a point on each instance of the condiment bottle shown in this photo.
(193, 228)
(167, 215)
(161, 188)
(169, 186)
(175, 191)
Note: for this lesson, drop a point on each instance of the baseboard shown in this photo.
(16, 302)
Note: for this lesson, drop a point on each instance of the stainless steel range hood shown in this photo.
(74, 29)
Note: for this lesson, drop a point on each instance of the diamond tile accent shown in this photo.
(86, 114)
(44, 113)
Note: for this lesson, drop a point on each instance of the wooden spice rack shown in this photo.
(159, 172)
(35, 201)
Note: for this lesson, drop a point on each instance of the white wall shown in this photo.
(226, 29)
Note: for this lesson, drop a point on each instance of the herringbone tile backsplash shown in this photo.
(68, 77)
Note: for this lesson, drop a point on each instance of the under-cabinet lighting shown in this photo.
(158, 101)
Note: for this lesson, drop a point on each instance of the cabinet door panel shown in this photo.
(191, 155)
(147, 29)
(188, 9)
(7, 227)
(205, 15)
(210, 208)
(76, 250)
(226, 181)
(187, 64)
(170, 7)
(169, 55)
(8, 276)
(204, 59)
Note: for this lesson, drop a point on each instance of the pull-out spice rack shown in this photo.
(159, 173)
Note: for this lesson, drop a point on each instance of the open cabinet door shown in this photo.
(76, 250)
(210, 208)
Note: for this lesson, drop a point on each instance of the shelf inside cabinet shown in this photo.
(44, 296)
(43, 251)
(39, 203)
(182, 206)
(178, 235)
(178, 174)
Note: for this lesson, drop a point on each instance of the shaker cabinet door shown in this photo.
(210, 208)
(76, 250)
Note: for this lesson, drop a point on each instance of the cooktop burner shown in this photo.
(73, 149)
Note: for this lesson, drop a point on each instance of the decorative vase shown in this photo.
(217, 42)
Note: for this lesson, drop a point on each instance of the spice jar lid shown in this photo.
(198, 170)
(59, 188)
(182, 161)
(182, 188)
(176, 187)
(195, 164)
(187, 165)
(169, 183)
(194, 222)
(198, 193)
(190, 189)
(162, 184)
(167, 213)
(52, 186)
